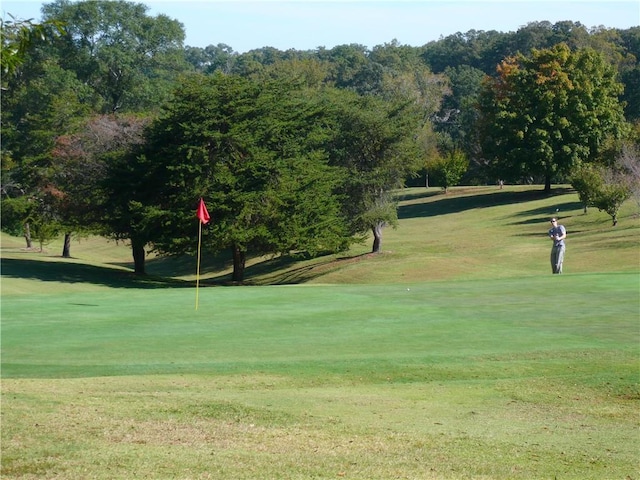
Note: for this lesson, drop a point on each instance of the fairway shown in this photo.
(542, 373)
(311, 329)
(522, 376)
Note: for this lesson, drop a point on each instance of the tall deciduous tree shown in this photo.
(376, 144)
(45, 103)
(129, 58)
(630, 72)
(79, 166)
(17, 39)
(546, 113)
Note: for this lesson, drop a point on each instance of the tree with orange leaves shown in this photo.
(545, 114)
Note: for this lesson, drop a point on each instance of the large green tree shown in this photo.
(47, 102)
(377, 137)
(20, 196)
(254, 152)
(127, 57)
(545, 113)
(376, 143)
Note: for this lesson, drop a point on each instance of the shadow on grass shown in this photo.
(276, 271)
(216, 268)
(283, 270)
(416, 194)
(460, 203)
(81, 273)
(181, 265)
(279, 270)
(543, 214)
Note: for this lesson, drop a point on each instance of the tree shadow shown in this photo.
(279, 271)
(181, 265)
(218, 267)
(161, 271)
(460, 203)
(419, 193)
(264, 270)
(69, 272)
(282, 270)
(543, 214)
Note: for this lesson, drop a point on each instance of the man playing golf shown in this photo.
(557, 233)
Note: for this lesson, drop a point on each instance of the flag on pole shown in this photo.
(202, 213)
(203, 216)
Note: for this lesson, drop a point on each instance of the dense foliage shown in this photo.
(253, 151)
(545, 114)
(111, 125)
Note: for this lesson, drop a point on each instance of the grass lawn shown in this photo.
(490, 369)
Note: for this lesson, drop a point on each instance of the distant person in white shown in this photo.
(557, 233)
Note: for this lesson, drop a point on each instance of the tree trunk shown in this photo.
(138, 258)
(377, 238)
(27, 235)
(547, 184)
(239, 260)
(66, 248)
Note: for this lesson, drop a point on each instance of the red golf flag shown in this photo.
(203, 215)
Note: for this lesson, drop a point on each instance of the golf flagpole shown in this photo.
(203, 217)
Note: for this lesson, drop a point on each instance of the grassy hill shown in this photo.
(469, 233)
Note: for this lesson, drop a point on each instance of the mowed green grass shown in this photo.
(506, 373)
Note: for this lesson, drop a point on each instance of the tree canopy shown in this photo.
(546, 113)
(254, 152)
(126, 56)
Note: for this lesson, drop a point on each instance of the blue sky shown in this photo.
(305, 24)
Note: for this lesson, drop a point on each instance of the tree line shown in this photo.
(111, 126)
